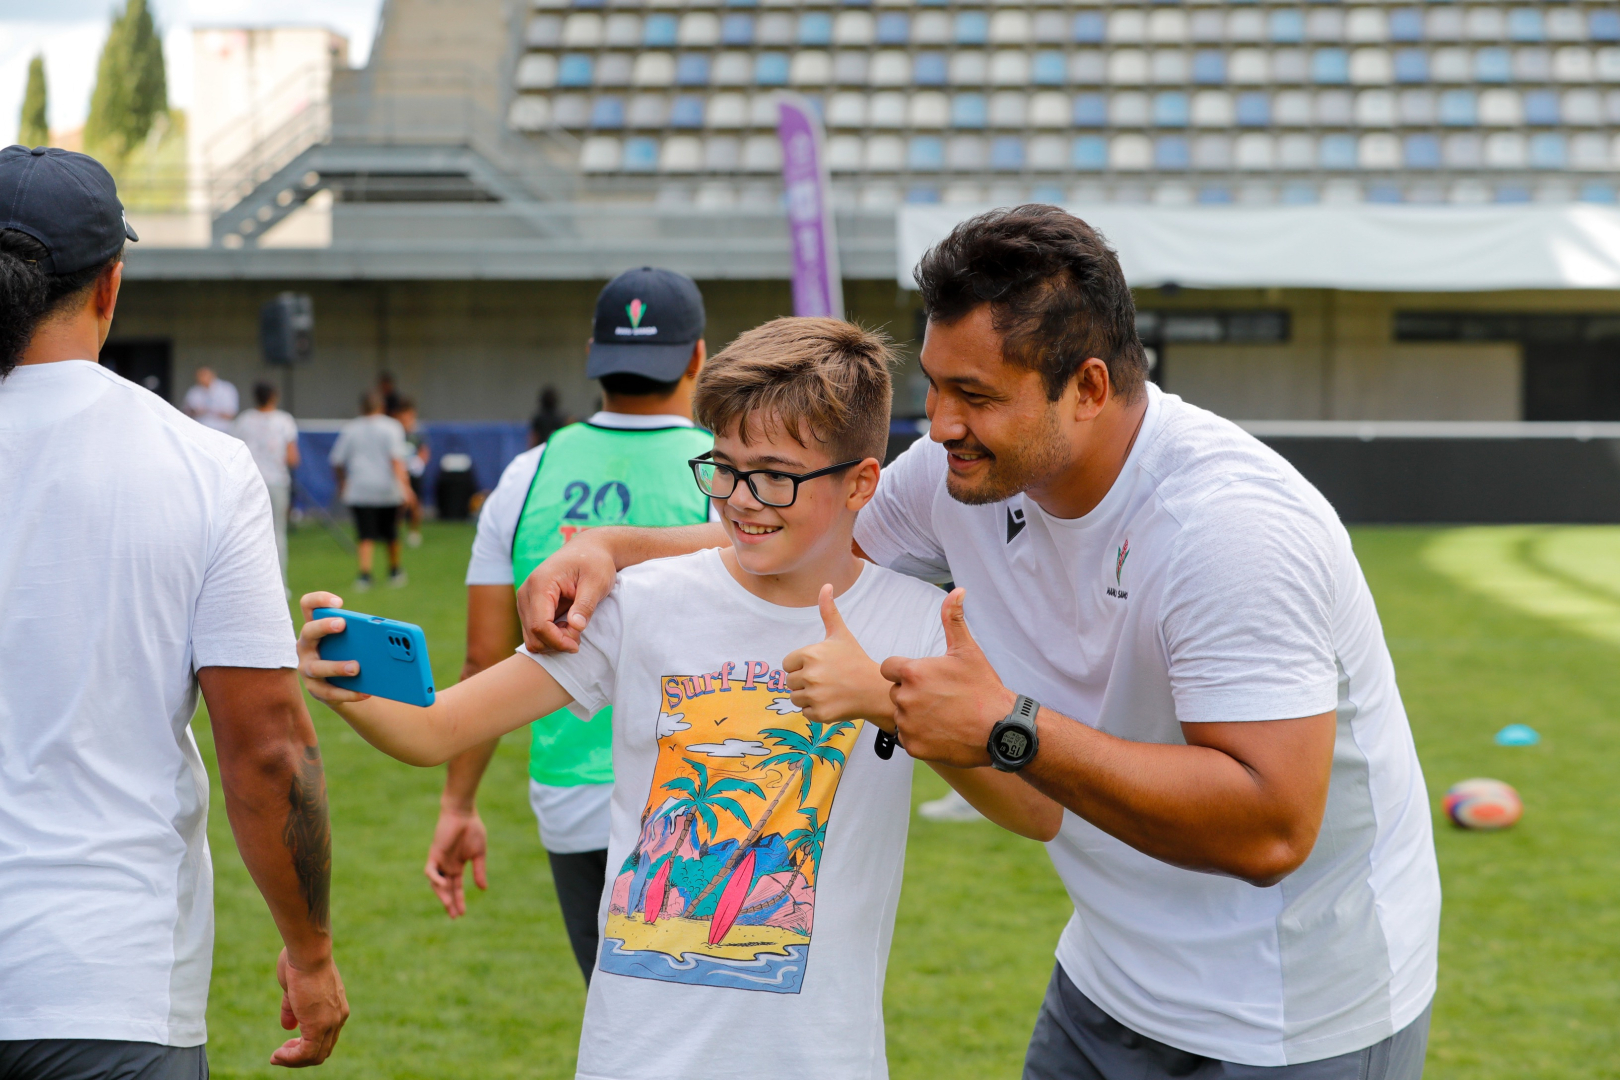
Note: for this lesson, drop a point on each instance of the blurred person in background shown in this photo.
(272, 436)
(369, 462)
(548, 418)
(137, 565)
(415, 466)
(630, 459)
(211, 400)
(388, 390)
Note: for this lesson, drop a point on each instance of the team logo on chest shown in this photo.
(1015, 523)
(1122, 553)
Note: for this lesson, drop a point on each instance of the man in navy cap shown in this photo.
(627, 464)
(137, 564)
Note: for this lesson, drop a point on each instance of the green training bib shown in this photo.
(591, 476)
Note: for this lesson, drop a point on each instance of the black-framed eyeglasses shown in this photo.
(769, 486)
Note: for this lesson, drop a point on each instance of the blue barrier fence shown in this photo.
(491, 446)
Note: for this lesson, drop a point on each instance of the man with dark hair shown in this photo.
(136, 564)
(368, 461)
(272, 436)
(626, 464)
(1172, 642)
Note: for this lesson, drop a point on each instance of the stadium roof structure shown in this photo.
(563, 138)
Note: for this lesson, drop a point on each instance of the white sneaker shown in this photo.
(362, 583)
(398, 580)
(952, 807)
(413, 540)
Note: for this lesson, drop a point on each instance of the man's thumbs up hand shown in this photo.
(834, 679)
(945, 706)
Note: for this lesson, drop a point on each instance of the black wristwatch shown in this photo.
(1013, 741)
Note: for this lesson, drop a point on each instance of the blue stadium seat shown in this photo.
(737, 29)
(1526, 24)
(971, 28)
(1090, 28)
(1421, 152)
(968, 111)
(608, 113)
(1254, 109)
(1411, 66)
(771, 69)
(893, 28)
(692, 69)
(658, 31)
(575, 70)
(1286, 26)
(1090, 110)
(1603, 25)
(922, 193)
(1299, 193)
(1512, 193)
(1459, 108)
(1215, 195)
(1007, 153)
(928, 69)
(1493, 65)
(1170, 152)
(1597, 191)
(1337, 152)
(1051, 69)
(1090, 153)
(1548, 150)
(1406, 24)
(1209, 67)
(640, 154)
(1330, 66)
(925, 153)
(1170, 109)
(687, 112)
(815, 28)
(1541, 107)
(1385, 193)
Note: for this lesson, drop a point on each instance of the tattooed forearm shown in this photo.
(308, 836)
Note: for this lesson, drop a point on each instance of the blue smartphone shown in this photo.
(393, 656)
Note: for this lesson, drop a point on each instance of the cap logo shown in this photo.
(636, 308)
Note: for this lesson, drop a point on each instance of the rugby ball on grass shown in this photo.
(1483, 804)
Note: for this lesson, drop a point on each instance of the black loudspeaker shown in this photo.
(287, 329)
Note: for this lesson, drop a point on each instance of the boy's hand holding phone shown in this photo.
(310, 665)
(834, 679)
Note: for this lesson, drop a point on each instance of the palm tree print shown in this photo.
(800, 753)
(807, 842)
(702, 797)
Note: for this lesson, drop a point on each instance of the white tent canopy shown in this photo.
(1363, 247)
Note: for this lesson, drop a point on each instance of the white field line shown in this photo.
(1568, 575)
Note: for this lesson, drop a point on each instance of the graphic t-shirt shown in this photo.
(1212, 584)
(755, 857)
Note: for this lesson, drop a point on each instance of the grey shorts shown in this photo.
(1075, 1040)
(99, 1059)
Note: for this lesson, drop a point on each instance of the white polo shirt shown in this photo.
(1213, 584)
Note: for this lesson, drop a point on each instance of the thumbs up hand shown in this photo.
(945, 706)
(834, 679)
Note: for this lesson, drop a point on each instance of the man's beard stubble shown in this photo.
(1015, 469)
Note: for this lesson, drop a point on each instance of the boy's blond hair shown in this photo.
(819, 378)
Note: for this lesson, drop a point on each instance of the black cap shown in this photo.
(647, 321)
(67, 202)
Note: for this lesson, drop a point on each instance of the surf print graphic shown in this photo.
(720, 889)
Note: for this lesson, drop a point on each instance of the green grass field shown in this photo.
(1530, 951)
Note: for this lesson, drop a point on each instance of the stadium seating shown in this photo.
(1216, 102)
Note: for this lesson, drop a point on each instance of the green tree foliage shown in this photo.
(32, 129)
(131, 88)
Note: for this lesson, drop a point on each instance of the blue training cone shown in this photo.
(1517, 735)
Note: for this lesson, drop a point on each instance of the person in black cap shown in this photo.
(624, 465)
(137, 563)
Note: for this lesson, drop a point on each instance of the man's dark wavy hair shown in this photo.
(1056, 293)
(28, 295)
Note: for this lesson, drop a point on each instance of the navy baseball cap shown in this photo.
(66, 201)
(647, 321)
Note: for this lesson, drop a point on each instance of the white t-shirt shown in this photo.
(366, 450)
(213, 405)
(571, 818)
(1213, 583)
(268, 434)
(798, 890)
(135, 548)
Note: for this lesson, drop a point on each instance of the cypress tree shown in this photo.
(32, 129)
(131, 89)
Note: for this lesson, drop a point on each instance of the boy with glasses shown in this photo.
(757, 840)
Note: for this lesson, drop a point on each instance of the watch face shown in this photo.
(1012, 743)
